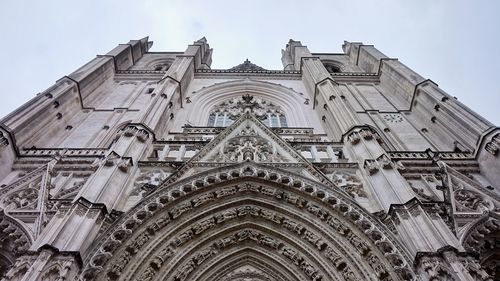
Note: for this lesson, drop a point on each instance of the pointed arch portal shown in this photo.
(247, 219)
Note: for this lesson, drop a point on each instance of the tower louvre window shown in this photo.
(331, 68)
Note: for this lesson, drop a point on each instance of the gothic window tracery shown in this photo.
(227, 112)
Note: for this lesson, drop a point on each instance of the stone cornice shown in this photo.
(424, 155)
(234, 74)
(140, 71)
(265, 71)
(71, 152)
(350, 77)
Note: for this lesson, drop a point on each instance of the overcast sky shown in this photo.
(453, 43)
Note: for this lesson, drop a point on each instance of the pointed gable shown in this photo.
(248, 139)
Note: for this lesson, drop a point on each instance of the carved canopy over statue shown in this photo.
(207, 226)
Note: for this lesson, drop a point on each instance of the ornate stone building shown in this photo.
(152, 166)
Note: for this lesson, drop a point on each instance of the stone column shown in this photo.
(384, 180)
(170, 91)
(74, 230)
(420, 229)
(322, 89)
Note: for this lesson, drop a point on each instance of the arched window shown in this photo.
(275, 120)
(220, 119)
(332, 68)
(228, 111)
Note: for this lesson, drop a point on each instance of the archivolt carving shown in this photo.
(247, 274)
(250, 255)
(262, 241)
(346, 223)
(251, 263)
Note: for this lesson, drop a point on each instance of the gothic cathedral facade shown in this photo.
(343, 166)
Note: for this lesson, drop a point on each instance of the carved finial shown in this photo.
(247, 98)
(247, 65)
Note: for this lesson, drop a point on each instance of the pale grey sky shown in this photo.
(453, 43)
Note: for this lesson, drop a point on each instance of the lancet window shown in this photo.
(220, 119)
(228, 111)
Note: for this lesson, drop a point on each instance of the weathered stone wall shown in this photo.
(113, 174)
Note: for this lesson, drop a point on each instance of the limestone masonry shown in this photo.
(153, 166)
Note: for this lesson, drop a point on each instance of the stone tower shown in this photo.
(152, 166)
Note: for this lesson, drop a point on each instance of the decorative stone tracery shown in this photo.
(228, 111)
(247, 145)
(213, 196)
